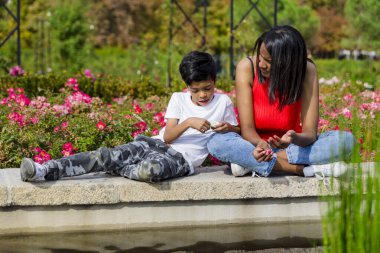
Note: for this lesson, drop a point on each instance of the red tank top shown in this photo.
(268, 119)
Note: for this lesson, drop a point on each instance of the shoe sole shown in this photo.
(27, 169)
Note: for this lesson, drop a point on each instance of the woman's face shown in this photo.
(264, 61)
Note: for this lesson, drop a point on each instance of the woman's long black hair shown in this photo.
(288, 66)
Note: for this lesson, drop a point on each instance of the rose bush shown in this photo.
(71, 122)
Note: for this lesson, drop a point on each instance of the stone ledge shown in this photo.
(211, 197)
(209, 183)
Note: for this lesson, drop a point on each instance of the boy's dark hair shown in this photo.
(197, 66)
(288, 66)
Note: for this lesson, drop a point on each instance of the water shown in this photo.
(299, 237)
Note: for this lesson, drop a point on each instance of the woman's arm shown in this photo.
(310, 108)
(244, 83)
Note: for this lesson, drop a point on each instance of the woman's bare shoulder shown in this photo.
(245, 64)
(244, 71)
(311, 69)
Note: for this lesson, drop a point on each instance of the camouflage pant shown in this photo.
(144, 159)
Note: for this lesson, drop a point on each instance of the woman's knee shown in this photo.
(345, 141)
(348, 142)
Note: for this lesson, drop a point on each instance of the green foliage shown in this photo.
(300, 16)
(106, 87)
(365, 19)
(70, 32)
(352, 222)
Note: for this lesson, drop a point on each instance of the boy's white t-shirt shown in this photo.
(192, 144)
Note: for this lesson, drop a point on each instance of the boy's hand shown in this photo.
(199, 124)
(221, 127)
(263, 152)
(284, 141)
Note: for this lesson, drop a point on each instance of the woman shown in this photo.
(278, 98)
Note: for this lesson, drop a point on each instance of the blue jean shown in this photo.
(329, 147)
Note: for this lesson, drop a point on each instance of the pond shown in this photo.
(295, 237)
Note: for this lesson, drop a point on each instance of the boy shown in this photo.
(176, 151)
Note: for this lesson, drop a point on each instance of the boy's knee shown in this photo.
(149, 171)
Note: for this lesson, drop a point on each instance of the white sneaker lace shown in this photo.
(321, 176)
(254, 174)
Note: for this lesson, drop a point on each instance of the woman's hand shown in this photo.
(284, 141)
(263, 152)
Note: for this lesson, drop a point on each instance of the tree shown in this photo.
(364, 18)
(70, 32)
(331, 32)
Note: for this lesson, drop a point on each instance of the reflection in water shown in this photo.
(298, 237)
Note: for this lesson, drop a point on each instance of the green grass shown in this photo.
(352, 221)
(364, 70)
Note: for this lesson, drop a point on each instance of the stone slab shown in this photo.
(45, 219)
(209, 183)
(4, 187)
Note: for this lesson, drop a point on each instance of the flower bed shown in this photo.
(71, 121)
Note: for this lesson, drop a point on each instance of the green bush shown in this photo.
(105, 87)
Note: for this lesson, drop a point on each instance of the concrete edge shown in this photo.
(209, 183)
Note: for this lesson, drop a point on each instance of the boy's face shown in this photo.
(202, 92)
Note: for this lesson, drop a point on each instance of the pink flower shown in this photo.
(348, 97)
(66, 153)
(137, 109)
(16, 71)
(142, 126)
(128, 116)
(149, 106)
(347, 113)
(37, 149)
(64, 125)
(22, 100)
(67, 149)
(10, 91)
(138, 132)
(17, 118)
(159, 118)
(214, 161)
(101, 125)
(323, 124)
(333, 115)
(88, 74)
(42, 156)
(4, 101)
(71, 81)
(68, 146)
(34, 120)
(155, 131)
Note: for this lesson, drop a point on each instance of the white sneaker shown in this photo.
(31, 171)
(336, 169)
(239, 171)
